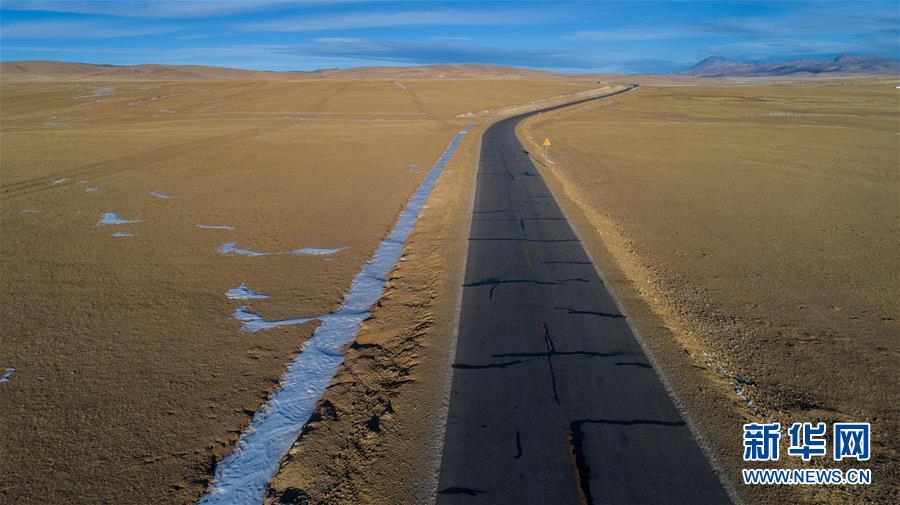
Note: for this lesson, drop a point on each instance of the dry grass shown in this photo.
(759, 223)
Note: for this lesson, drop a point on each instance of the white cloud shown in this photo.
(150, 9)
(339, 40)
(60, 30)
(813, 19)
(360, 20)
(631, 34)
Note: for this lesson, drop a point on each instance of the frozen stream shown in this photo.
(243, 476)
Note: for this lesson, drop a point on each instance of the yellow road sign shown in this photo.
(546, 142)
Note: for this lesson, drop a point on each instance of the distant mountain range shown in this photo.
(718, 66)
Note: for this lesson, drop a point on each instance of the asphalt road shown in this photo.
(553, 400)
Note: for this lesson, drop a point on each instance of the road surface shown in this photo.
(553, 400)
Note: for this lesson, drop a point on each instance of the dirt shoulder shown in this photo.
(377, 433)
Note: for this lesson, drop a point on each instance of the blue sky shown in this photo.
(565, 36)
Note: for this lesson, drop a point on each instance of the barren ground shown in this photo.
(750, 232)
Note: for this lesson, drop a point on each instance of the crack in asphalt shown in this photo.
(566, 263)
(493, 283)
(461, 490)
(551, 350)
(576, 444)
(505, 364)
(518, 444)
(630, 363)
(590, 312)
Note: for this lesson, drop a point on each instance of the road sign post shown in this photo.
(546, 150)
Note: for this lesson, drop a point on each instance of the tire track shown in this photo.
(127, 163)
(337, 90)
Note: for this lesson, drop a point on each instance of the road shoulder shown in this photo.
(377, 433)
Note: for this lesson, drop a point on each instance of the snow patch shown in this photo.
(253, 322)
(7, 374)
(315, 251)
(110, 218)
(159, 194)
(231, 248)
(242, 292)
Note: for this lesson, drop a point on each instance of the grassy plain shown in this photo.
(131, 377)
(751, 231)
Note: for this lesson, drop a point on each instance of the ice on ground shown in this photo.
(7, 374)
(159, 194)
(315, 251)
(60, 181)
(253, 322)
(122, 234)
(215, 226)
(92, 190)
(110, 218)
(244, 475)
(737, 382)
(230, 248)
(242, 292)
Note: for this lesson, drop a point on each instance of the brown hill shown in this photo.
(449, 71)
(56, 70)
